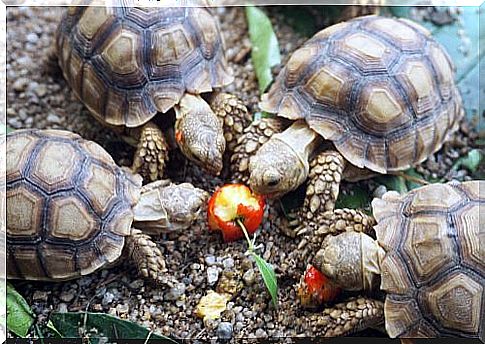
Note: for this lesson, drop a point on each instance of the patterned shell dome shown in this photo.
(69, 206)
(433, 270)
(127, 63)
(381, 89)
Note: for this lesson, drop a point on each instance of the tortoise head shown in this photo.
(199, 133)
(351, 260)
(166, 207)
(276, 169)
(183, 204)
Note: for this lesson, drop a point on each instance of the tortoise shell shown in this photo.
(381, 89)
(127, 63)
(69, 206)
(433, 270)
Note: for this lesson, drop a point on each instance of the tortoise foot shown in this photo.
(151, 154)
(147, 256)
(234, 116)
(353, 315)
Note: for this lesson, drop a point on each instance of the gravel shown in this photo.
(197, 259)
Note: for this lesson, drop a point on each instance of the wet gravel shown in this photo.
(197, 259)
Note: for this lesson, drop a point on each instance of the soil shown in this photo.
(38, 99)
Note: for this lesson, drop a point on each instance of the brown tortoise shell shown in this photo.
(381, 89)
(433, 270)
(69, 206)
(128, 63)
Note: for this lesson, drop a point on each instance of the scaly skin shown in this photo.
(234, 116)
(151, 154)
(146, 255)
(199, 133)
(281, 164)
(253, 137)
(162, 207)
(347, 317)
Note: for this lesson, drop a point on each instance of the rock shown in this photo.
(176, 292)
(107, 298)
(224, 330)
(122, 308)
(53, 119)
(260, 333)
(62, 308)
(20, 84)
(32, 38)
(212, 275)
(210, 260)
(379, 191)
(40, 295)
(228, 263)
(239, 326)
(67, 296)
(40, 90)
(137, 284)
(249, 277)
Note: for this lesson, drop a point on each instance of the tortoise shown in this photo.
(130, 65)
(428, 259)
(71, 210)
(372, 95)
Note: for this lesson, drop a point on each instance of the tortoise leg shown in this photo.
(151, 153)
(353, 315)
(322, 190)
(146, 255)
(252, 138)
(234, 117)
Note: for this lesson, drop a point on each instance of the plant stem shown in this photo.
(243, 228)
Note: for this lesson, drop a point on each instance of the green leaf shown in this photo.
(358, 198)
(411, 184)
(20, 317)
(97, 325)
(471, 161)
(269, 277)
(265, 51)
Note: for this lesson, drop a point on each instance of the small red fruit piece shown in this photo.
(179, 137)
(316, 289)
(235, 202)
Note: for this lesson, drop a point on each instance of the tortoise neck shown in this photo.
(300, 139)
(372, 254)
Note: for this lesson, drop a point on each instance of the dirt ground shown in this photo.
(197, 258)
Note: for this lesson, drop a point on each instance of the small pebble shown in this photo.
(224, 330)
(228, 263)
(32, 38)
(52, 118)
(212, 275)
(67, 296)
(20, 84)
(176, 292)
(40, 295)
(210, 260)
(62, 307)
(249, 277)
(107, 298)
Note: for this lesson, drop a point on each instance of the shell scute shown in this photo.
(56, 165)
(24, 212)
(457, 302)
